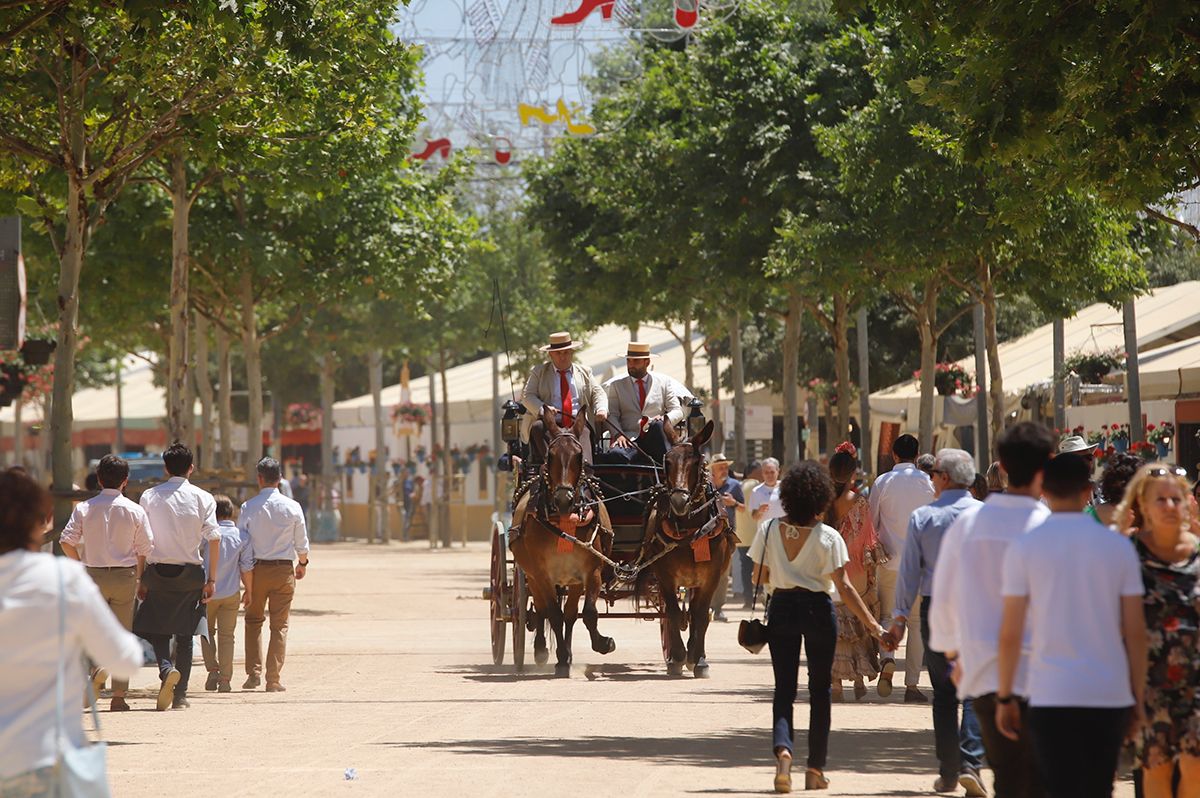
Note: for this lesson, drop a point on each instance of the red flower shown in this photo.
(1171, 624)
(1175, 673)
(1150, 427)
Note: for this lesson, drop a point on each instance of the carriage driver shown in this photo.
(569, 389)
(641, 402)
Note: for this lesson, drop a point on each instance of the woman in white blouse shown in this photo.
(29, 629)
(802, 560)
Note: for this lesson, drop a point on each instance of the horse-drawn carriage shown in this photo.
(640, 539)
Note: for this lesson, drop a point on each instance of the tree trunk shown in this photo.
(791, 379)
(378, 509)
(925, 326)
(435, 519)
(447, 471)
(689, 351)
(715, 409)
(841, 347)
(177, 351)
(328, 468)
(18, 434)
(995, 377)
(205, 390)
(62, 418)
(225, 397)
(867, 454)
(740, 452)
(252, 352)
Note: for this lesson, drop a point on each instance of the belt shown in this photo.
(272, 562)
(110, 567)
(798, 590)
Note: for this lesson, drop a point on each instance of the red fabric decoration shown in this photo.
(701, 551)
(847, 446)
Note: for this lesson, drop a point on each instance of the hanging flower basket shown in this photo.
(950, 379)
(302, 415)
(1092, 367)
(410, 414)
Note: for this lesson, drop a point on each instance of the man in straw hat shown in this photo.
(1077, 446)
(566, 387)
(641, 403)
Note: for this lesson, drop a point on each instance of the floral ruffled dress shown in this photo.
(1172, 604)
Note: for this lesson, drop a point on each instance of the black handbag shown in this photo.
(752, 634)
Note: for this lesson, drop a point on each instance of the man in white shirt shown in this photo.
(1081, 585)
(111, 536)
(174, 586)
(764, 499)
(278, 536)
(640, 402)
(893, 498)
(967, 601)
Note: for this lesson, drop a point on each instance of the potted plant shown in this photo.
(411, 414)
(1119, 437)
(1093, 366)
(949, 379)
(1161, 436)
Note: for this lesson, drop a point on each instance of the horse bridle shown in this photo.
(701, 492)
(544, 476)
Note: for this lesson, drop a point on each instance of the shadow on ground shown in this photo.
(883, 751)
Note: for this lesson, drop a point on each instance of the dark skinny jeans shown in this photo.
(1077, 748)
(797, 618)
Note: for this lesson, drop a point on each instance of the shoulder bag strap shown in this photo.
(60, 679)
(758, 582)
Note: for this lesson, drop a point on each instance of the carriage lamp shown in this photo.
(695, 419)
(510, 423)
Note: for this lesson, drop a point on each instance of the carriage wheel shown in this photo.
(500, 591)
(520, 603)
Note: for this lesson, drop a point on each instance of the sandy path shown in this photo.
(389, 673)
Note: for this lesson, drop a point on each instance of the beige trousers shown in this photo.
(914, 650)
(118, 586)
(218, 646)
(274, 585)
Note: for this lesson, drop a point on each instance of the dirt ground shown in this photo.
(389, 680)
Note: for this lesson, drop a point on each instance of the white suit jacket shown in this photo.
(539, 390)
(623, 402)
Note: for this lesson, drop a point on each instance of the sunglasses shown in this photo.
(1164, 471)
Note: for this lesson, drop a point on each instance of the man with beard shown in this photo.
(640, 403)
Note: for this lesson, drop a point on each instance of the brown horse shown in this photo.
(685, 518)
(563, 504)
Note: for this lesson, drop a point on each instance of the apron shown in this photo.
(172, 605)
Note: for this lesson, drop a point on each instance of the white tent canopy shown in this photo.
(1164, 316)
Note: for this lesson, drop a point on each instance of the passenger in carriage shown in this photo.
(569, 389)
(641, 401)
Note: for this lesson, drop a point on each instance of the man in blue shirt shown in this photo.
(732, 500)
(236, 561)
(959, 747)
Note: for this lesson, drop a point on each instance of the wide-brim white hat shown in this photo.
(560, 341)
(1074, 444)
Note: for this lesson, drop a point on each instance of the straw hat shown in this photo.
(637, 349)
(1075, 444)
(718, 458)
(560, 341)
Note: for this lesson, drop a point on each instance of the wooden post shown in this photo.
(1133, 382)
(983, 451)
(1060, 385)
(864, 388)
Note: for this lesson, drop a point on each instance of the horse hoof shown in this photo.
(606, 646)
(562, 671)
(674, 668)
(541, 656)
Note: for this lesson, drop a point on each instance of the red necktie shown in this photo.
(641, 394)
(564, 387)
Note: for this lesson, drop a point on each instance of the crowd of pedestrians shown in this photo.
(165, 569)
(1058, 618)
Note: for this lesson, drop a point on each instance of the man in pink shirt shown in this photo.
(111, 536)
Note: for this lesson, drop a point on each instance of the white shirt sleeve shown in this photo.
(873, 499)
(1131, 574)
(143, 535)
(73, 531)
(757, 551)
(837, 552)
(208, 509)
(1014, 581)
(300, 533)
(104, 639)
(943, 621)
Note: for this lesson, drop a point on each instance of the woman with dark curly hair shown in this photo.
(37, 593)
(802, 561)
(1118, 470)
